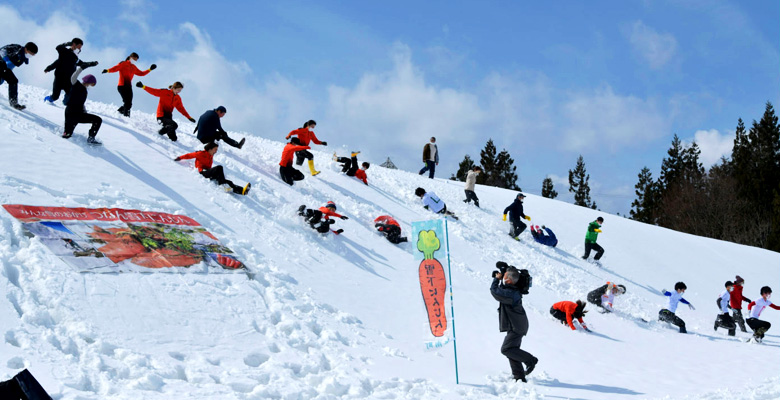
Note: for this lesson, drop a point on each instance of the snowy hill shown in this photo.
(342, 316)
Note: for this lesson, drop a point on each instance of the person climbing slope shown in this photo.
(169, 99)
(127, 70)
(306, 135)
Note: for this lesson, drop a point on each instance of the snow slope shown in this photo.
(342, 317)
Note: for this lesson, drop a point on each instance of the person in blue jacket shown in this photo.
(667, 314)
(548, 239)
(515, 211)
(14, 55)
(64, 66)
(209, 129)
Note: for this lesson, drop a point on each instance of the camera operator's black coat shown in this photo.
(511, 314)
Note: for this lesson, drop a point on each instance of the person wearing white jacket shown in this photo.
(723, 319)
(471, 180)
(432, 202)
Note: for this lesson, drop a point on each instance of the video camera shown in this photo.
(524, 281)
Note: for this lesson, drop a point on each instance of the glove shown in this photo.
(597, 230)
(192, 119)
(324, 143)
(105, 71)
(152, 67)
(344, 217)
(527, 217)
(139, 84)
(177, 159)
(691, 307)
(338, 232)
(425, 207)
(504, 219)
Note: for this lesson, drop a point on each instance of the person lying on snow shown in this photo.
(390, 228)
(539, 235)
(203, 162)
(349, 166)
(319, 219)
(604, 296)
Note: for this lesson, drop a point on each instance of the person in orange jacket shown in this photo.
(169, 99)
(127, 69)
(319, 219)
(286, 171)
(349, 166)
(204, 160)
(306, 135)
(566, 311)
(390, 228)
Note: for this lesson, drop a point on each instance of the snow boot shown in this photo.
(301, 209)
(48, 100)
(91, 140)
(311, 168)
(530, 367)
(67, 135)
(246, 189)
(241, 143)
(17, 106)
(520, 378)
(335, 156)
(354, 153)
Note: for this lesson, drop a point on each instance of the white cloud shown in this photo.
(656, 48)
(713, 145)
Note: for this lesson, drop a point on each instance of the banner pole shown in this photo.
(452, 303)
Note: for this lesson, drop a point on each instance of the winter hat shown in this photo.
(331, 204)
(739, 280)
(729, 283)
(221, 109)
(89, 80)
(520, 195)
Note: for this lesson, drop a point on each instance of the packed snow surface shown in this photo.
(342, 316)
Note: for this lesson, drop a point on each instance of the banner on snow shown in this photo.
(429, 240)
(117, 240)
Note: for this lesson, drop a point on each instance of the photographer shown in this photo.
(512, 319)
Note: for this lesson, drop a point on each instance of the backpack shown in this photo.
(525, 282)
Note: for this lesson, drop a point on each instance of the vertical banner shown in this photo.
(431, 241)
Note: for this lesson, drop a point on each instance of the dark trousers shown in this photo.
(71, 120)
(290, 175)
(348, 165)
(517, 227)
(392, 233)
(559, 315)
(429, 166)
(517, 357)
(594, 297)
(737, 315)
(758, 326)
(725, 321)
(593, 246)
(7, 75)
(61, 84)
(169, 126)
(470, 195)
(126, 91)
(314, 219)
(668, 316)
(222, 135)
(23, 386)
(217, 174)
(301, 155)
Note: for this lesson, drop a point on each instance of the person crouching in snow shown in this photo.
(306, 135)
(75, 112)
(319, 219)
(668, 314)
(723, 319)
(432, 202)
(758, 326)
(566, 311)
(349, 166)
(604, 296)
(548, 239)
(203, 162)
(286, 171)
(390, 228)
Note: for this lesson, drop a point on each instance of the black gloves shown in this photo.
(105, 71)
(177, 159)
(324, 143)
(139, 84)
(85, 65)
(192, 120)
(152, 67)
(344, 217)
(338, 232)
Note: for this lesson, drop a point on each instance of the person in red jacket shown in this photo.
(127, 70)
(349, 166)
(390, 228)
(566, 311)
(319, 219)
(736, 302)
(306, 135)
(286, 171)
(204, 160)
(169, 99)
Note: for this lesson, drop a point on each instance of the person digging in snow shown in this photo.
(169, 99)
(203, 162)
(319, 219)
(306, 135)
(75, 111)
(64, 67)
(566, 311)
(604, 296)
(390, 228)
(286, 171)
(349, 166)
(515, 211)
(432, 202)
(127, 70)
(723, 319)
(668, 314)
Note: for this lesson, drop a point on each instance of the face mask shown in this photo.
(730, 289)
(310, 129)
(132, 61)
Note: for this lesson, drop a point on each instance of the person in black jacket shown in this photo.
(515, 211)
(63, 68)
(209, 129)
(512, 320)
(14, 55)
(75, 113)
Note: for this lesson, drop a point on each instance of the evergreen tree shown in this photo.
(672, 167)
(463, 168)
(578, 184)
(547, 189)
(505, 172)
(487, 159)
(643, 207)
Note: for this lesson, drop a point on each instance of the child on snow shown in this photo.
(471, 180)
(723, 319)
(286, 171)
(566, 311)
(75, 113)
(319, 219)
(548, 239)
(14, 55)
(758, 326)
(390, 228)
(594, 228)
(306, 135)
(63, 67)
(604, 296)
(432, 202)
(515, 211)
(667, 314)
(203, 162)
(350, 166)
(169, 99)
(127, 70)
(736, 302)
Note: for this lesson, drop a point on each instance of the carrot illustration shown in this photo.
(432, 282)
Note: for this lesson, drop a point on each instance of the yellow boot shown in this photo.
(311, 168)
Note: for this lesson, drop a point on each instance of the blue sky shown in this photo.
(613, 81)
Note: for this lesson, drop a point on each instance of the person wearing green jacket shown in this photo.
(594, 228)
